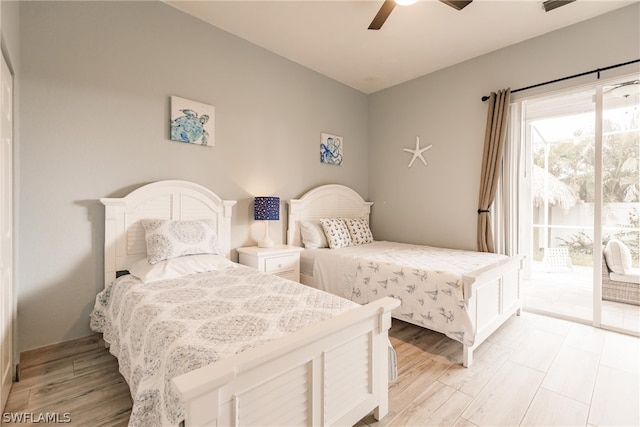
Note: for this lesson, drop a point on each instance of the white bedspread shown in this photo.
(167, 328)
(426, 279)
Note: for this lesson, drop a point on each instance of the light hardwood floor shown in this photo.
(569, 294)
(534, 371)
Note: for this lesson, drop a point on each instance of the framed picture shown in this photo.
(192, 122)
(331, 147)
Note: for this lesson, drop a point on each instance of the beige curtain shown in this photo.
(491, 164)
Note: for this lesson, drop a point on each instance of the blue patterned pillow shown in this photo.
(337, 232)
(168, 239)
(359, 230)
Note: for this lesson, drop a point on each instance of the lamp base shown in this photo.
(266, 243)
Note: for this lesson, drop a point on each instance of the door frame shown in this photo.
(7, 270)
(524, 192)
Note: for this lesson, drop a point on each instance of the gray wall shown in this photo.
(94, 105)
(10, 31)
(437, 204)
(95, 88)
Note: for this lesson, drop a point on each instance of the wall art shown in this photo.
(331, 147)
(192, 122)
(417, 152)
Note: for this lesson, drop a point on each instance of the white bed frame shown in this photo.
(492, 294)
(332, 373)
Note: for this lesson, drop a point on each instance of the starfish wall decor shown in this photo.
(417, 152)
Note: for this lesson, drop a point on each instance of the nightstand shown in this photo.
(281, 260)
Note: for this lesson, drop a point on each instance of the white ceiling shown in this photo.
(331, 37)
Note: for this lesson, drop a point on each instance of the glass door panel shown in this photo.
(561, 136)
(621, 200)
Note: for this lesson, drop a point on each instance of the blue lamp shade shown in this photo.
(266, 208)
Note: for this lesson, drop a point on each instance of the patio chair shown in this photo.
(617, 290)
(556, 260)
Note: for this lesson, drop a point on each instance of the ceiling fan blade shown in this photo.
(458, 5)
(382, 15)
(549, 5)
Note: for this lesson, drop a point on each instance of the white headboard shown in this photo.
(124, 239)
(325, 201)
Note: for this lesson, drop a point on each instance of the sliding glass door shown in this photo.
(582, 190)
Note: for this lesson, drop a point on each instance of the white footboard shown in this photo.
(492, 295)
(331, 373)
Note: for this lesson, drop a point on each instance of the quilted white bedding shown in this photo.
(166, 328)
(427, 280)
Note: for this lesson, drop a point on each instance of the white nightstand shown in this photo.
(281, 260)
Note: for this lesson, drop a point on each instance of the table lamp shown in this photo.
(266, 209)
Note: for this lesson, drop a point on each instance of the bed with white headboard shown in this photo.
(177, 200)
(489, 292)
(332, 372)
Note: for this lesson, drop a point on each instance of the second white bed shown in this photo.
(428, 281)
(464, 294)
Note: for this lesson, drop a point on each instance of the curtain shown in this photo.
(491, 164)
(507, 216)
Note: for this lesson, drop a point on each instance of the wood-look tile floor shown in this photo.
(533, 371)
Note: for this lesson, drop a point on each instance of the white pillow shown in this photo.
(178, 267)
(168, 239)
(618, 256)
(359, 230)
(312, 235)
(337, 232)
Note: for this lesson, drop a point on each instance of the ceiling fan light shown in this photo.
(405, 2)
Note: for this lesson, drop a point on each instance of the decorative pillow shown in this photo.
(337, 232)
(313, 236)
(168, 239)
(618, 256)
(178, 267)
(359, 230)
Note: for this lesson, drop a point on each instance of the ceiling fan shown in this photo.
(389, 5)
(624, 90)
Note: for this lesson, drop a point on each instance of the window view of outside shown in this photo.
(563, 180)
(561, 134)
(621, 180)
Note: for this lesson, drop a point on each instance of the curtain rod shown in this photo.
(597, 70)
